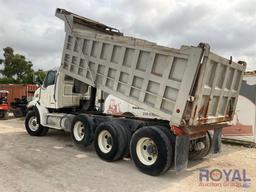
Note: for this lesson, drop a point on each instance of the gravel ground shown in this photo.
(52, 163)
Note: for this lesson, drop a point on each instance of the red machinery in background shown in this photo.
(4, 106)
(16, 98)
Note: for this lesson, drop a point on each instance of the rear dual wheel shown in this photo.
(111, 141)
(151, 150)
(82, 131)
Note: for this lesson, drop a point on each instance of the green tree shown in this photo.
(41, 74)
(8, 55)
(6, 80)
(16, 68)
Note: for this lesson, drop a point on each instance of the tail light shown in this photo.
(176, 130)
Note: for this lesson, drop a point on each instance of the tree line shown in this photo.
(16, 68)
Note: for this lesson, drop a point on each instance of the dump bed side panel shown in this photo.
(143, 74)
(217, 90)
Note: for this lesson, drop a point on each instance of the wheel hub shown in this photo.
(109, 140)
(199, 146)
(33, 124)
(151, 149)
(146, 150)
(79, 131)
(105, 141)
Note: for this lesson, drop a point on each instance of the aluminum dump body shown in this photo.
(190, 85)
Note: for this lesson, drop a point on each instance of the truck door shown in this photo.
(47, 90)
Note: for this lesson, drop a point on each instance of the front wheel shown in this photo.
(32, 124)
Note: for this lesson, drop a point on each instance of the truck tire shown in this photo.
(128, 135)
(126, 129)
(33, 126)
(82, 131)
(151, 150)
(195, 155)
(110, 141)
(172, 139)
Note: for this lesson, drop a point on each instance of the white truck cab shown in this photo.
(61, 91)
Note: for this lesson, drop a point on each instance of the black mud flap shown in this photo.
(216, 140)
(181, 153)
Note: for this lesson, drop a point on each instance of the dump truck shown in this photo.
(191, 90)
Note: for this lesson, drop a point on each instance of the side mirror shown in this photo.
(37, 79)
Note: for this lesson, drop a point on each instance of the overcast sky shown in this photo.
(30, 27)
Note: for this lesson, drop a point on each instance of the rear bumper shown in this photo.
(191, 130)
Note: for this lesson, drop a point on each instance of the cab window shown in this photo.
(50, 78)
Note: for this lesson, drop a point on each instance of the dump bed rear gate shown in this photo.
(217, 90)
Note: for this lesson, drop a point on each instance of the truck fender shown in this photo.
(31, 104)
(42, 113)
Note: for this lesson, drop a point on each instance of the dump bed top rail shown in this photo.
(78, 20)
(187, 86)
